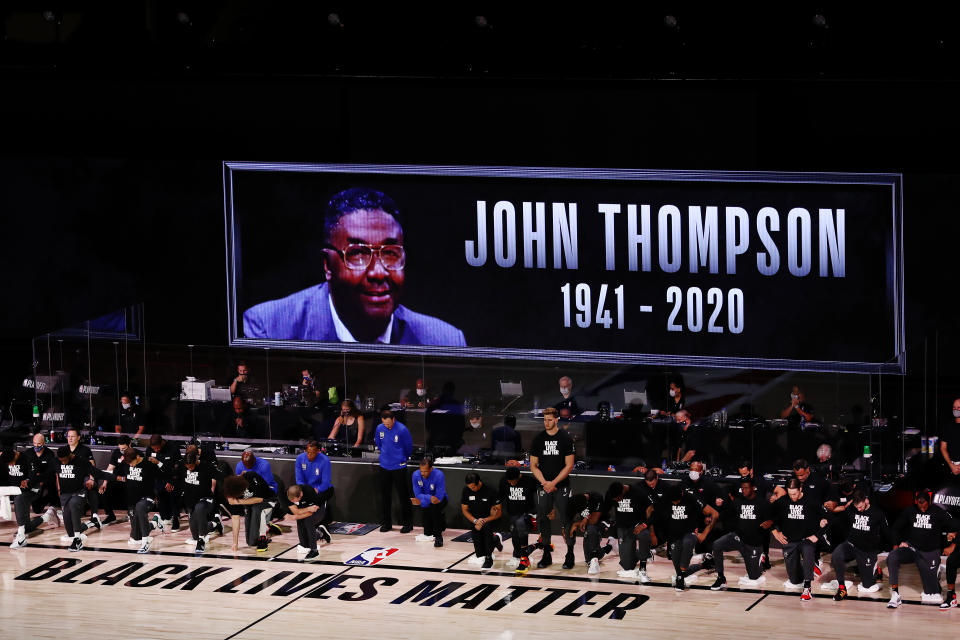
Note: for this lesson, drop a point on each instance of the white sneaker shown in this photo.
(168, 523)
(475, 559)
(863, 589)
(190, 541)
(746, 581)
(52, 517)
(833, 585)
(931, 598)
(302, 550)
(792, 585)
(158, 524)
(145, 546)
(512, 563)
(66, 538)
(642, 576)
(594, 566)
(132, 542)
(424, 538)
(895, 600)
(630, 574)
(18, 541)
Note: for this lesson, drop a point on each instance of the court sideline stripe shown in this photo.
(528, 576)
(759, 600)
(287, 604)
(282, 552)
(457, 562)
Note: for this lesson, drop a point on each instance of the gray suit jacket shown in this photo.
(305, 315)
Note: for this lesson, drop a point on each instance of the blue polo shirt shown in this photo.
(262, 468)
(315, 474)
(395, 445)
(433, 485)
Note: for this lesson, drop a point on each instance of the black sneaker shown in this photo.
(111, 517)
(498, 541)
(765, 562)
(175, 525)
(218, 526)
(262, 544)
(568, 561)
(841, 593)
(275, 529)
(438, 541)
(720, 584)
(94, 522)
(488, 563)
(407, 528)
(545, 561)
(605, 549)
(708, 562)
(679, 584)
(311, 556)
(76, 545)
(201, 545)
(324, 534)
(385, 527)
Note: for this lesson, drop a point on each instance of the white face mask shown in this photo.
(475, 424)
(565, 391)
(673, 393)
(694, 475)
(125, 405)
(421, 392)
(956, 413)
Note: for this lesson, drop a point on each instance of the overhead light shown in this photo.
(333, 19)
(671, 21)
(183, 18)
(481, 22)
(820, 21)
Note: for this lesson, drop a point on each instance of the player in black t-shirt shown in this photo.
(586, 510)
(40, 487)
(75, 477)
(197, 485)
(251, 492)
(481, 507)
(684, 531)
(518, 494)
(950, 442)
(749, 509)
(139, 479)
(113, 487)
(767, 490)
(308, 508)
(632, 515)
(799, 521)
(15, 472)
(867, 527)
(917, 536)
(94, 500)
(551, 461)
(166, 455)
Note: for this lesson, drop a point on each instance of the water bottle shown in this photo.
(357, 402)
(526, 459)
(663, 464)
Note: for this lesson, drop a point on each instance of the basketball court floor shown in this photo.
(387, 585)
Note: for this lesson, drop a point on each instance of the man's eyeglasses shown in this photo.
(358, 256)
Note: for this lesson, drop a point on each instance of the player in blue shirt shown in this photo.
(395, 444)
(430, 494)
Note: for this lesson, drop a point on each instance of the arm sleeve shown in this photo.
(441, 486)
(326, 473)
(267, 473)
(407, 443)
(422, 497)
(298, 474)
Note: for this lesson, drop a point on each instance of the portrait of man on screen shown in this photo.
(359, 301)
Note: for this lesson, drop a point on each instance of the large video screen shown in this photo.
(759, 270)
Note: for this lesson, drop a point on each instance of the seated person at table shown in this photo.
(351, 421)
(241, 423)
(567, 406)
(130, 420)
(505, 439)
(430, 494)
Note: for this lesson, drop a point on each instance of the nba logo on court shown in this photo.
(371, 556)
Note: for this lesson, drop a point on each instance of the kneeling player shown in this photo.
(430, 494)
(251, 496)
(308, 509)
(684, 531)
(480, 506)
(750, 510)
(586, 510)
(867, 531)
(197, 485)
(139, 479)
(15, 472)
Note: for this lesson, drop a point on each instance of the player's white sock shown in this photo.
(21, 531)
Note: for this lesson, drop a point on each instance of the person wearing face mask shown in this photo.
(677, 398)
(950, 442)
(567, 406)
(868, 533)
(129, 420)
(798, 407)
(916, 536)
(474, 435)
(15, 472)
(39, 488)
(352, 422)
(702, 486)
(692, 440)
